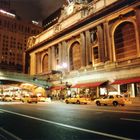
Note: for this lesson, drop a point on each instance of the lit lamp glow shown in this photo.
(61, 68)
(64, 65)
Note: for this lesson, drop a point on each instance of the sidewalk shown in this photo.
(133, 104)
(133, 101)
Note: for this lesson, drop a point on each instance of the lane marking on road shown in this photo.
(2, 137)
(68, 126)
(10, 134)
(103, 110)
(113, 111)
(127, 119)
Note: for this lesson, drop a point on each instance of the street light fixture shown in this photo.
(60, 70)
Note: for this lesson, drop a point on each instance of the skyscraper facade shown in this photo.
(14, 34)
(5, 5)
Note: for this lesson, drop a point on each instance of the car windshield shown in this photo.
(105, 97)
(7, 95)
(33, 96)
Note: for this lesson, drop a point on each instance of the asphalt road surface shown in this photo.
(60, 121)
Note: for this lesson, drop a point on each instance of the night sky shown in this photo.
(35, 9)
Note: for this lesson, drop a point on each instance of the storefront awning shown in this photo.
(87, 85)
(126, 81)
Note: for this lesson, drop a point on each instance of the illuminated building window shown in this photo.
(125, 41)
(75, 56)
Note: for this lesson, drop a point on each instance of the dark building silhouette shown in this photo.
(14, 33)
(5, 5)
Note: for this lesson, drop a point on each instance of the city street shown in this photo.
(60, 121)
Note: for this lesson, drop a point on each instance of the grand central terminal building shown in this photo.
(93, 47)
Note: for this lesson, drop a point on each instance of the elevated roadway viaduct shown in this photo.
(25, 78)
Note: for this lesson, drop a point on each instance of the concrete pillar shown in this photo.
(88, 48)
(32, 64)
(38, 63)
(83, 48)
(107, 43)
(53, 58)
(64, 52)
(138, 29)
(60, 53)
(49, 59)
(101, 43)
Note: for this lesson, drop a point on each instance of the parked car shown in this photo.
(7, 98)
(16, 98)
(110, 100)
(29, 99)
(44, 99)
(41, 98)
(77, 100)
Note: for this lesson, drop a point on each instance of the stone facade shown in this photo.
(99, 41)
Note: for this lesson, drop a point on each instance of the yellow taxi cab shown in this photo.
(77, 100)
(7, 98)
(41, 98)
(16, 98)
(110, 100)
(30, 99)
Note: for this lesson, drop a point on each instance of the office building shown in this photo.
(14, 33)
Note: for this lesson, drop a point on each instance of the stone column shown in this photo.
(32, 64)
(101, 42)
(97, 92)
(138, 28)
(83, 49)
(60, 53)
(65, 50)
(53, 58)
(107, 43)
(88, 48)
(49, 59)
(38, 62)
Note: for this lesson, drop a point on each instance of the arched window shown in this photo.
(75, 56)
(125, 41)
(45, 63)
